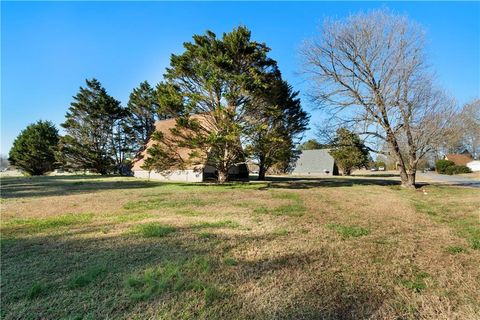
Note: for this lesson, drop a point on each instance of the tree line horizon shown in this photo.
(368, 72)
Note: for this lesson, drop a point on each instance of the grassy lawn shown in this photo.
(122, 248)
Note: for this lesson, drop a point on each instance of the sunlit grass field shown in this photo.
(339, 248)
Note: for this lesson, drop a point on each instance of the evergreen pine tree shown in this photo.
(349, 151)
(141, 108)
(91, 126)
(276, 121)
(215, 77)
(34, 149)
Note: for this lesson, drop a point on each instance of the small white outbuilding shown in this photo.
(474, 165)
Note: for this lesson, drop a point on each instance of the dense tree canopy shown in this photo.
(275, 125)
(348, 151)
(34, 149)
(93, 125)
(311, 144)
(140, 119)
(218, 78)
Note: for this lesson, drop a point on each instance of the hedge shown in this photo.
(457, 169)
(442, 165)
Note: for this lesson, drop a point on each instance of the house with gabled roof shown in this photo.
(460, 159)
(198, 172)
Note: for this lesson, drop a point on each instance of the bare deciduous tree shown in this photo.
(370, 72)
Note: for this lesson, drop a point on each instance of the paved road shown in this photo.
(450, 180)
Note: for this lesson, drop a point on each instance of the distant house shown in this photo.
(192, 173)
(315, 162)
(474, 165)
(460, 159)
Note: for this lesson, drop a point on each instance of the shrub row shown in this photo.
(449, 167)
(457, 169)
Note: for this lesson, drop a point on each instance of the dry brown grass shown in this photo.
(289, 250)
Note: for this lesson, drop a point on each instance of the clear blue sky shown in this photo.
(49, 48)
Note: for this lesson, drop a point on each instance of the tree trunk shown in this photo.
(261, 169)
(407, 178)
(411, 179)
(222, 176)
(261, 173)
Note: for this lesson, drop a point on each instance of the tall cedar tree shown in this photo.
(311, 144)
(169, 101)
(216, 78)
(34, 149)
(142, 107)
(275, 127)
(349, 151)
(93, 130)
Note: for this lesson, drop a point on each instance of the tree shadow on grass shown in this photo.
(54, 260)
(23, 187)
(331, 183)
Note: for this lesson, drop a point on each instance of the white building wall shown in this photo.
(177, 175)
(474, 165)
(314, 162)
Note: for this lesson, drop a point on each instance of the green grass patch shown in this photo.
(216, 224)
(417, 282)
(154, 229)
(212, 294)
(240, 186)
(174, 277)
(189, 212)
(84, 278)
(7, 241)
(348, 231)
(153, 204)
(157, 281)
(242, 204)
(280, 232)
(293, 209)
(261, 210)
(286, 195)
(206, 235)
(475, 244)
(35, 225)
(455, 249)
(444, 206)
(230, 261)
(35, 290)
(133, 216)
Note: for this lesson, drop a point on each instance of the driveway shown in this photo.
(449, 180)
